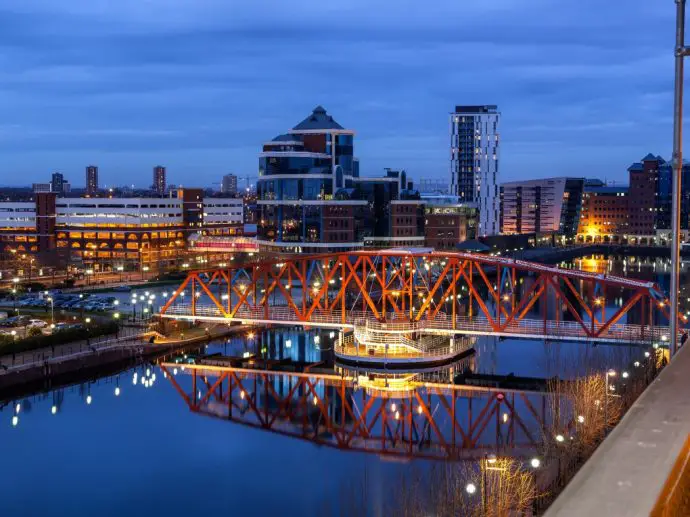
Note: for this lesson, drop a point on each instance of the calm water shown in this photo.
(143, 452)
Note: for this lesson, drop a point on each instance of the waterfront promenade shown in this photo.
(641, 467)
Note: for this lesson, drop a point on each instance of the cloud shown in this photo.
(584, 87)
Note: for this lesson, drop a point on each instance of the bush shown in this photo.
(33, 287)
(58, 338)
(34, 331)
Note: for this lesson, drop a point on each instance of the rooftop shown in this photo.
(651, 158)
(488, 108)
(623, 189)
(471, 245)
(318, 119)
(287, 138)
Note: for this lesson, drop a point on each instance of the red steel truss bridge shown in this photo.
(404, 418)
(446, 293)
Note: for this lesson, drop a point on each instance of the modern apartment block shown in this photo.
(474, 162)
(448, 222)
(664, 200)
(644, 176)
(550, 205)
(91, 180)
(57, 183)
(229, 185)
(158, 185)
(605, 214)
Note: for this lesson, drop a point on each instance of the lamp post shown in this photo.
(116, 317)
(88, 335)
(677, 161)
(609, 373)
(52, 310)
(14, 294)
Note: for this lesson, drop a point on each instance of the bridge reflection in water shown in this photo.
(404, 415)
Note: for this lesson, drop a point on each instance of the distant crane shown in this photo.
(247, 180)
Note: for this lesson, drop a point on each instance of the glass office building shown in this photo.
(311, 196)
(300, 174)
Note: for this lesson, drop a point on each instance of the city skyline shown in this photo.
(580, 94)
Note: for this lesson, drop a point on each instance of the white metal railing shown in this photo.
(442, 322)
(391, 352)
(378, 334)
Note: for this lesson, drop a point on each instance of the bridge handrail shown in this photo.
(442, 322)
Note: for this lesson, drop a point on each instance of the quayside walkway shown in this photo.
(643, 467)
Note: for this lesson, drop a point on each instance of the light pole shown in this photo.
(680, 52)
(609, 373)
(52, 310)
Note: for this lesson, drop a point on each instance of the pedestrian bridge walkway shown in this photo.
(441, 324)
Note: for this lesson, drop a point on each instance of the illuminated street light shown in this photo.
(471, 488)
(536, 462)
(560, 438)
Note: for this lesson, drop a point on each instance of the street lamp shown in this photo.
(609, 373)
(52, 310)
(677, 163)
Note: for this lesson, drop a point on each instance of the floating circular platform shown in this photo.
(347, 355)
(398, 345)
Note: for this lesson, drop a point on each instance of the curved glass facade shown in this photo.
(293, 190)
(316, 146)
(291, 223)
(269, 165)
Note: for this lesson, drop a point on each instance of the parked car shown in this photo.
(37, 323)
(61, 326)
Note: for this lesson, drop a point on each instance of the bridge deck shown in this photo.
(441, 324)
(629, 472)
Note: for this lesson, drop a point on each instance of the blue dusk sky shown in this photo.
(584, 86)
